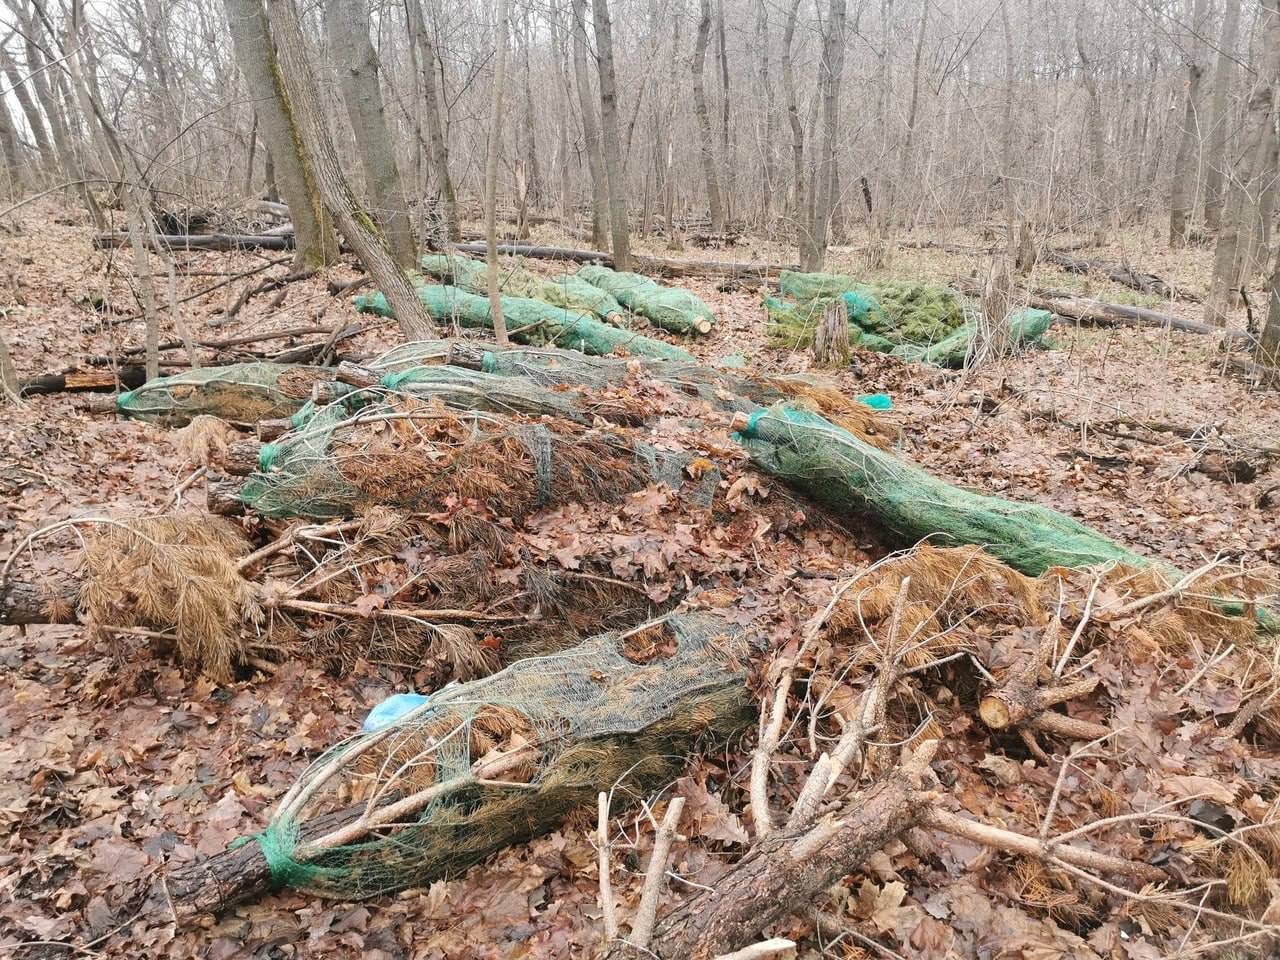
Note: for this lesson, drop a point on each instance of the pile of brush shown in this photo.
(615, 579)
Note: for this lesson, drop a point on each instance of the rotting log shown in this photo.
(1097, 312)
(23, 603)
(1118, 273)
(82, 381)
(218, 242)
(222, 497)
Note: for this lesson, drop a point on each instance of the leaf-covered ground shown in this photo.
(113, 763)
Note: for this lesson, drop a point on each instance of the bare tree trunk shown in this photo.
(1268, 351)
(347, 25)
(1184, 165)
(727, 152)
(35, 123)
(800, 208)
(1220, 117)
(769, 180)
(830, 75)
(256, 56)
(11, 152)
(1248, 173)
(615, 175)
(705, 149)
(1093, 122)
(316, 150)
(435, 132)
(491, 173)
(535, 186)
(590, 132)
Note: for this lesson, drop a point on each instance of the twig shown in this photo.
(647, 912)
(607, 905)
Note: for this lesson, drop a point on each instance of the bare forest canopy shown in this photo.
(1066, 116)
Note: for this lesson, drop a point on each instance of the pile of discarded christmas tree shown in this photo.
(1104, 727)
(908, 319)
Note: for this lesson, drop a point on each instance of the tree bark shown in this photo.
(1184, 165)
(431, 107)
(615, 174)
(1094, 123)
(1248, 173)
(256, 56)
(316, 145)
(347, 25)
(780, 877)
(1268, 352)
(830, 76)
(706, 151)
(491, 174)
(590, 130)
(800, 208)
(1220, 117)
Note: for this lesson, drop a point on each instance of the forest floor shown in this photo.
(111, 759)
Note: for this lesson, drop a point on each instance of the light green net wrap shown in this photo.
(516, 280)
(670, 308)
(415, 457)
(241, 392)
(499, 761)
(530, 321)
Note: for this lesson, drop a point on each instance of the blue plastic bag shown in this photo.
(392, 709)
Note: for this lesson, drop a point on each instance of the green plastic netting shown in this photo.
(241, 392)
(530, 321)
(838, 469)
(498, 761)
(565, 290)
(915, 321)
(671, 308)
(417, 456)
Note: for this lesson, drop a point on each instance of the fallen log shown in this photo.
(658, 265)
(84, 381)
(288, 333)
(1089, 311)
(23, 603)
(1123, 275)
(219, 242)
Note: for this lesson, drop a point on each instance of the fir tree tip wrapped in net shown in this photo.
(516, 280)
(671, 308)
(498, 761)
(530, 321)
(242, 392)
(415, 455)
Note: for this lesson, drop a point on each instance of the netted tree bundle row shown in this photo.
(419, 456)
(515, 280)
(670, 308)
(835, 467)
(530, 321)
(241, 392)
(729, 391)
(488, 764)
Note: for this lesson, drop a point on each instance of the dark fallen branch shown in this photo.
(219, 242)
(291, 332)
(84, 381)
(1123, 275)
(1096, 312)
(275, 283)
(95, 324)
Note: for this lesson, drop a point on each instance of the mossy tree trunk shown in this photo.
(256, 56)
(705, 150)
(590, 129)
(315, 147)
